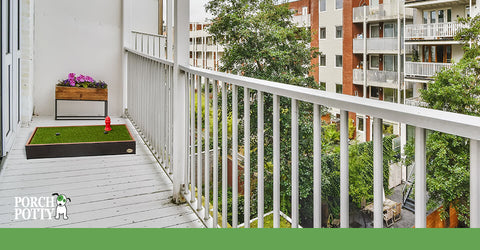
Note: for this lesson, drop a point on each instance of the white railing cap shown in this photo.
(447, 122)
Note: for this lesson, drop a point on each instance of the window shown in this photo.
(374, 4)
(338, 4)
(338, 31)
(441, 16)
(323, 85)
(389, 30)
(304, 11)
(467, 11)
(360, 122)
(338, 61)
(389, 95)
(338, 88)
(323, 60)
(374, 61)
(389, 63)
(323, 5)
(323, 33)
(374, 92)
(374, 31)
(425, 17)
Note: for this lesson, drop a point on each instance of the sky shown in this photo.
(197, 10)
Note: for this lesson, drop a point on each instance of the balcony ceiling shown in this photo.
(431, 4)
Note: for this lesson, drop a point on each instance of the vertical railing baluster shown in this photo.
(224, 157)
(317, 167)
(246, 161)
(474, 183)
(377, 173)
(162, 114)
(420, 179)
(215, 154)
(192, 138)
(260, 158)
(344, 172)
(171, 170)
(234, 156)
(276, 161)
(295, 188)
(187, 133)
(207, 148)
(199, 143)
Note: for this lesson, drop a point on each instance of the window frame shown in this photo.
(320, 33)
(320, 60)
(341, 31)
(336, 61)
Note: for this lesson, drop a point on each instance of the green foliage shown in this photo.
(455, 90)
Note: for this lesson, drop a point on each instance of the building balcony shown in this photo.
(302, 20)
(385, 11)
(433, 31)
(385, 45)
(377, 78)
(426, 4)
(423, 70)
(415, 101)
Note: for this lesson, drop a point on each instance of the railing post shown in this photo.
(182, 19)
(170, 30)
(344, 171)
(420, 179)
(474, 184)
(377, 173)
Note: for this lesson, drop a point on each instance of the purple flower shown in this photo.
(72, 82)
(71, 76)
(81, 78)
(89, 79)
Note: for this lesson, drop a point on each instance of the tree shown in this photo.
(261, 41)
(455, 89)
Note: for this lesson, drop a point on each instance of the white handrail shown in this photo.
(432, 31)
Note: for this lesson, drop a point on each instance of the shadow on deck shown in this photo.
(105, 191)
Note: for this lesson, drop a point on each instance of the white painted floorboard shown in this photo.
(106, 191)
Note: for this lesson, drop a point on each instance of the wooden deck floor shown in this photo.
(106, 191)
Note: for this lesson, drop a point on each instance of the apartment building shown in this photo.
(204, 52)
(431, 36)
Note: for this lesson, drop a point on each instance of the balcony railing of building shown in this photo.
(165, 100)
(377, 78)
(415, 101)
(150, 44)
(388, 10)
(302, 20)
(380, 45)
(432, 31)
(424, 69)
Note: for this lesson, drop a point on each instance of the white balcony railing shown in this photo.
(432, 31)
(424, 69)
(302, 20)
(386, 11)
(377, 78)
(415, 101)
(150, 44)
(380, 45)
(155, 87)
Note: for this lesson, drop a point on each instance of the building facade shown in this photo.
(204, 52)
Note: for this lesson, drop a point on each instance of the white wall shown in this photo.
(82, 37)
(145, 15)
(26, 44)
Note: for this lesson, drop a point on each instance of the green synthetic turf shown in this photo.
(80, 134)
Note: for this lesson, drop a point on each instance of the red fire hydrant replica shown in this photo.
(107, 124)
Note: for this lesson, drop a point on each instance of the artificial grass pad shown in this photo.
(76, 134)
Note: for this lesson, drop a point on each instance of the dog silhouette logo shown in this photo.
(61, 208)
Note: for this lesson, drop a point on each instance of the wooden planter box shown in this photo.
(36, 151)
(81, 94)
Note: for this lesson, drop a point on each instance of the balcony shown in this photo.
(385, 45)
(431, 4)
(433, 31)
(424, 69)
(377, 78)
(385, 11)
(415, 101)
(302, 20)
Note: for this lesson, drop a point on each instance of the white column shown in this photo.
(126, 29)
(365, 64)
(170, 33)
(420, 179)
(474, 184)
(344, 171)
(182, 17)
(377, 173)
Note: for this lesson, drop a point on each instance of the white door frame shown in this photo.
(10, 68)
